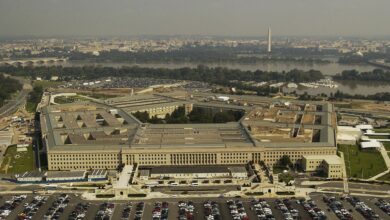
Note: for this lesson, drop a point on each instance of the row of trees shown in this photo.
(34, 97)
(8, 86)
(200, 73)
(382, 96)
(204, 54)
(375, 75)
(197, 115)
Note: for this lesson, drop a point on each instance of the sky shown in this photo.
(194, 17)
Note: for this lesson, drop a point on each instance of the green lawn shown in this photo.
(362, 164)
(31, 107)
(17, 162)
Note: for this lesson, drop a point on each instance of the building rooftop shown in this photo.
(106, 126)
(98, 173)
(167, 135)
(67, 174)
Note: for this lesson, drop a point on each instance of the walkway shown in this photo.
(345, 177)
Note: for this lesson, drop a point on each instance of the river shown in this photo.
(328, 69)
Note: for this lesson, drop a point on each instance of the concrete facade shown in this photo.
(331, 165)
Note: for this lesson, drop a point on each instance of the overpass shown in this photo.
(32, 61)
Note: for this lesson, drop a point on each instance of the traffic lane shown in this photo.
(148, 215)
(371, 203)
(43, 209)
(225, 212)
(302, 212)
(117, 214)
(173, 211)
(249, 210)
(360, 186)
(275, 211)
(199, 210)
(317, 198)
(92, 210)
(19, 208)
(68, 210)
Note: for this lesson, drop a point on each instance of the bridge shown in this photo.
(32, 61)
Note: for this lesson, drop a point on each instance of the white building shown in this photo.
(98, 175)
(370, 145)
(223, 98)
(29, 177)
(348, 135)
(68, 176)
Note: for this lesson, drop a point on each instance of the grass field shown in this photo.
(31, 107)
(17, 162)
(362, 164)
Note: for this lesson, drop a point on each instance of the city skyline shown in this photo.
(219, 18)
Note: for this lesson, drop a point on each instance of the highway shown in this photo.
(11, 106)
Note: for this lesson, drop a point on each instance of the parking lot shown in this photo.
(187, 209)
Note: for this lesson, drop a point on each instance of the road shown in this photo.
(18, 101)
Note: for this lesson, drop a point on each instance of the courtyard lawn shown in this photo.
(362, 163)
(17, 162)
(70, 99)
(98, 95)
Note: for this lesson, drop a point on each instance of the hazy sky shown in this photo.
(203, 17)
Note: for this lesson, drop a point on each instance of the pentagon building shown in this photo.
(89, 135)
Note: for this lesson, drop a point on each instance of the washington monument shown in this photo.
(269, 40)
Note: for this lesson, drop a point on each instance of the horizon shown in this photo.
(185, 17)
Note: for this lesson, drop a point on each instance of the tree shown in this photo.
(285, 161)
